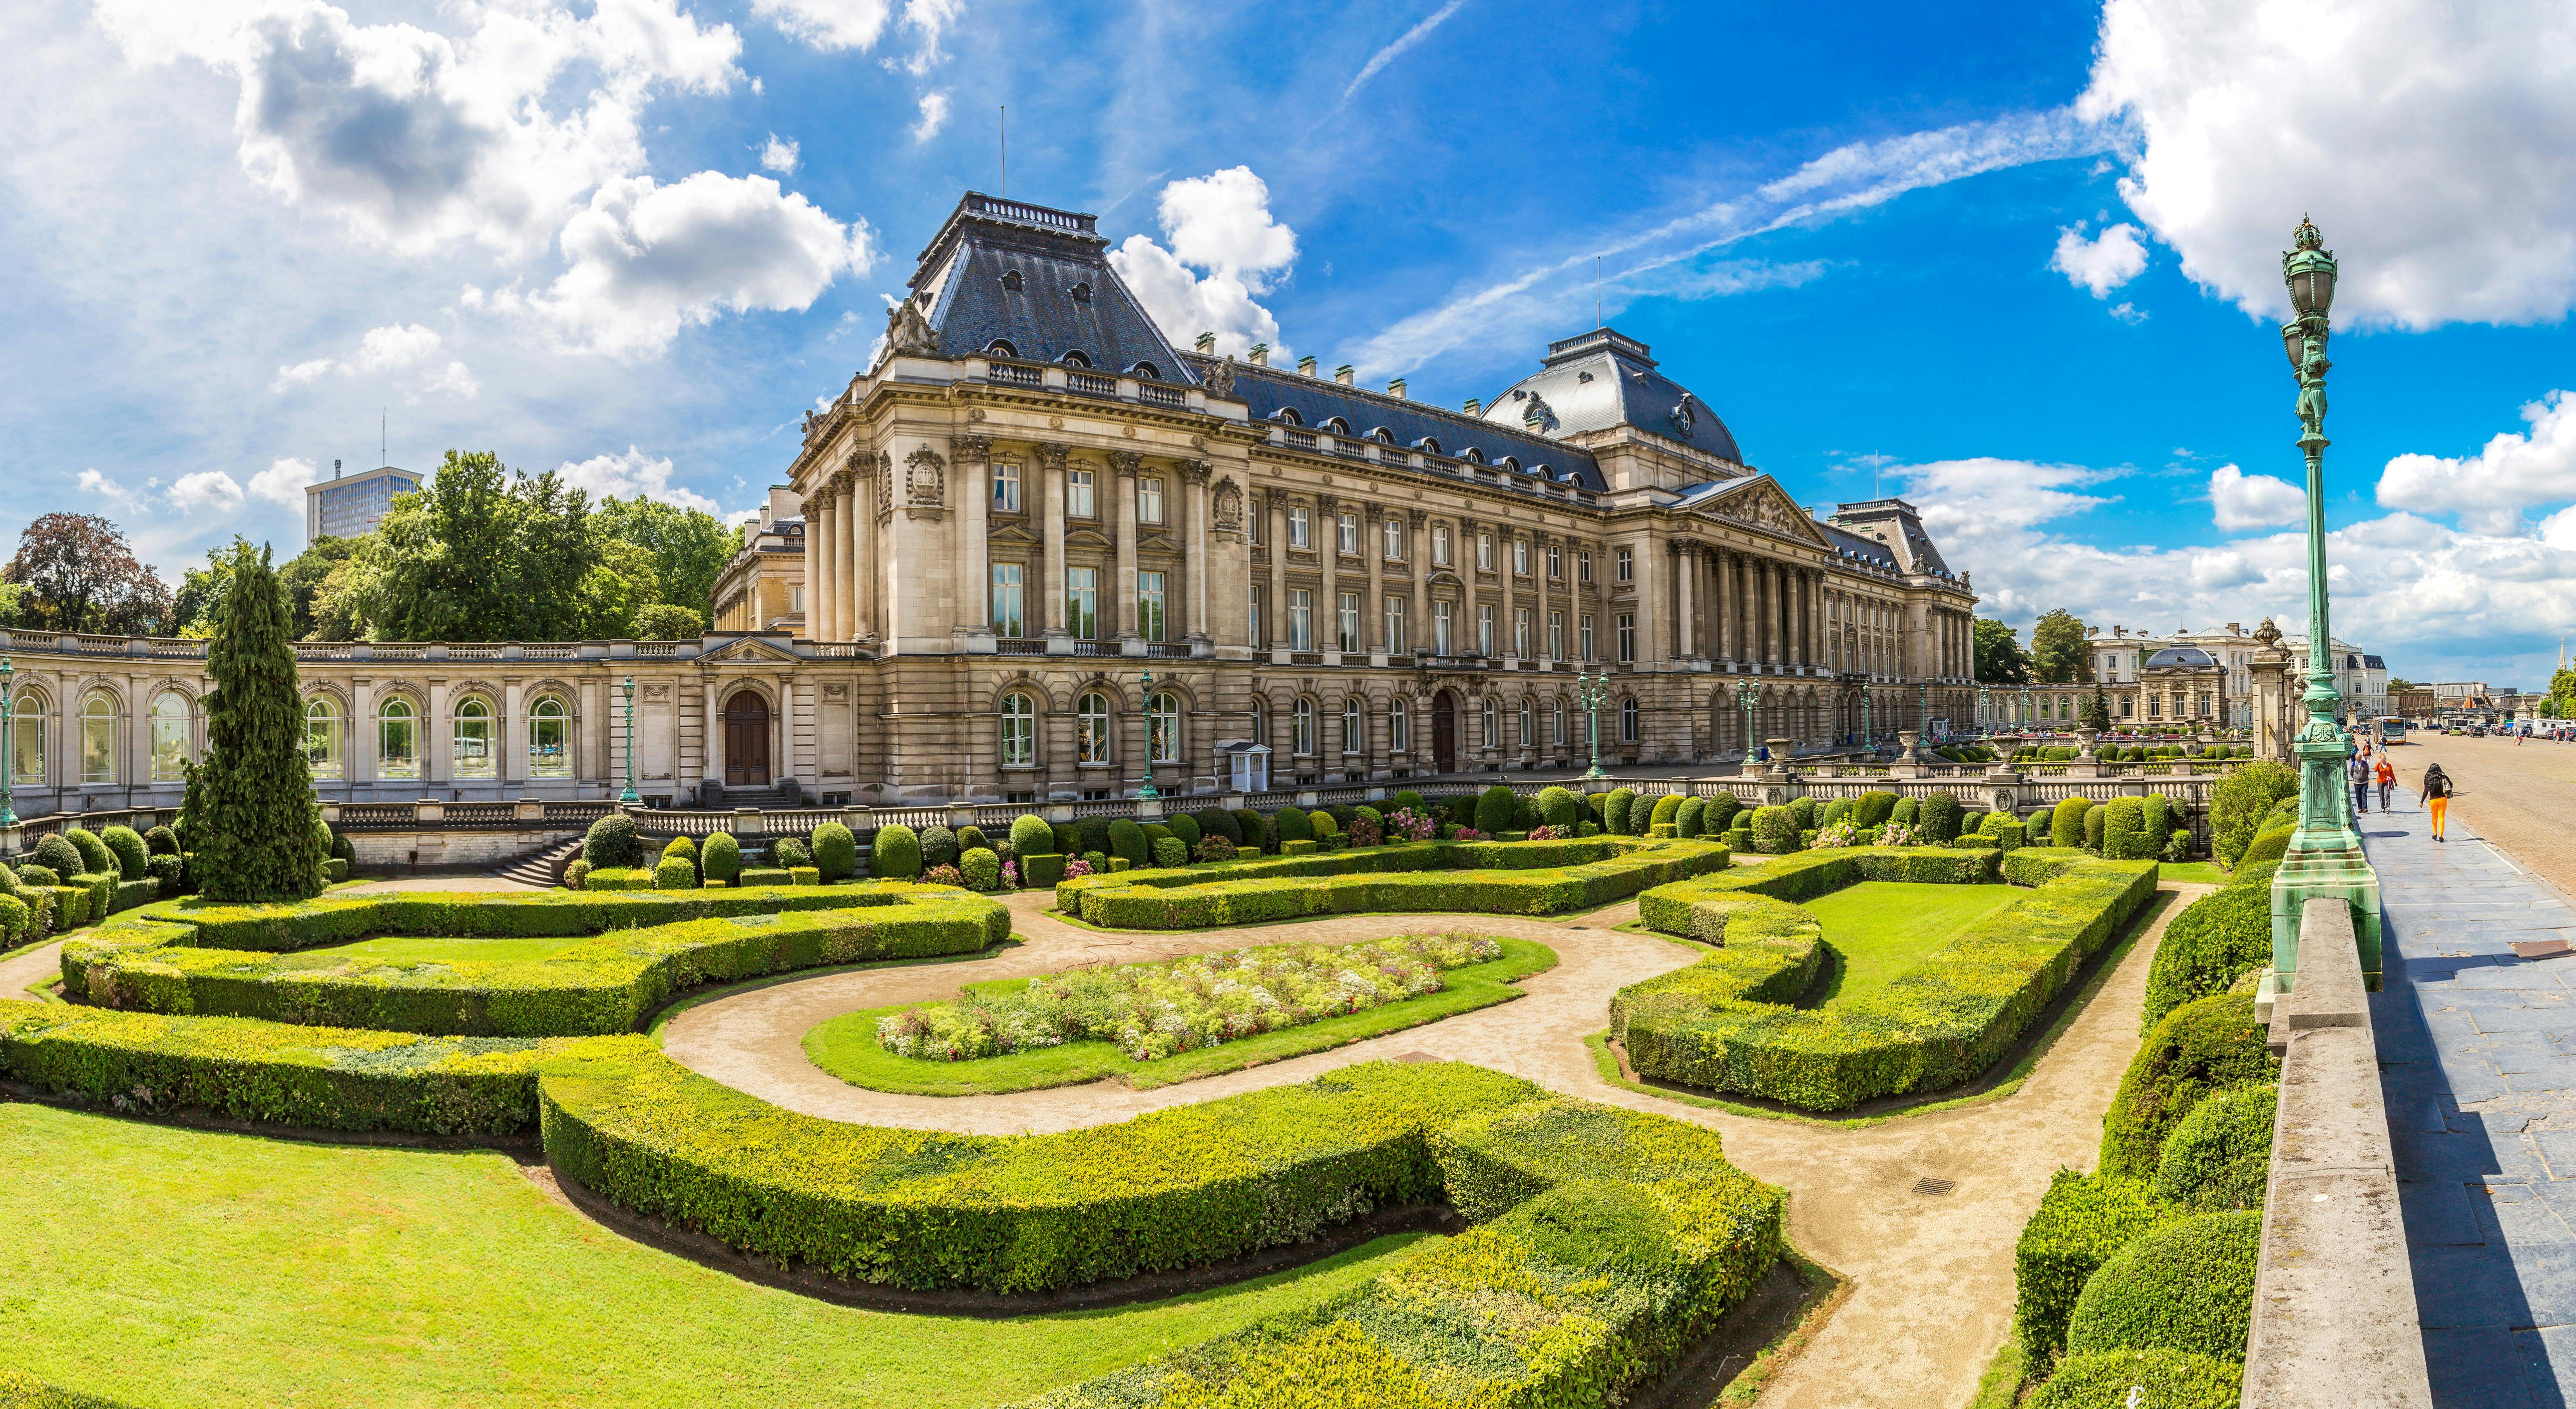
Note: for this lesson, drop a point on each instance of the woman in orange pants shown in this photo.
(2437, 796)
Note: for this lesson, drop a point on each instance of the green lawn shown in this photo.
(846, 1046)
(1882, 928)
(2204, 873)
(168, 1267)
(431, 949)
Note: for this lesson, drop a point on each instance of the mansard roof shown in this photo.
(1267, 391)
(1897, 526)
(1603, 379)
(1039, 281)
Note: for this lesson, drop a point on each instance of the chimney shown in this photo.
(1396, 388)
(2092, 631)
(1206, 345)
(1343, 374)
(1258, 354)
(1474, 406)
(2118, 631)
(1305, 366)
(2235, 629)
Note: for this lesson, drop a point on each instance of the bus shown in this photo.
(2391, 731)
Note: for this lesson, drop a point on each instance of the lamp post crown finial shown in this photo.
(2307, 236)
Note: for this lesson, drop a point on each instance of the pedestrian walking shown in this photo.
(2437, 796)
(2358, 769)
(2387, 775)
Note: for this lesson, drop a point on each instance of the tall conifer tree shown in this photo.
(255, 826)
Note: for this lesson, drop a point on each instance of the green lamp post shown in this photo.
(1868, 735)
(1985, 723)
(630, 796)
(1145, 790)
(1748, 693)
(1592, 691)
(8, 751)
(2325, 857)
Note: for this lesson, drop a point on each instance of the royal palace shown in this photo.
(1039, 553)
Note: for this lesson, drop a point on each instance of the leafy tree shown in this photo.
(252, 819)
(689, 546)
(79, 574)
(477, 555)
(1999, 655)
(664, 622)
(2400, 682)
(2097, 711)
(304, 577)
(2058, 651)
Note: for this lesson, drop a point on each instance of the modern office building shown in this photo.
(345, 506)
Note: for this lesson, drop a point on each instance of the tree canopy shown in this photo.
(1999, 655)
(2058, 651)
(76, 572)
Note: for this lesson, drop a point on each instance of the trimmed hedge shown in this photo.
(896, 855)
(675, 873)
(1687, 817)
(1873, 809)
(1724, 1023)
(1775, 831)
(94, 855)
(2066, 823)
(722, 859)
(612, 842)
(2186, 1286)
(625, 954)
(618, 878)
(2215, 941)
(2198, 1049)
(2220, 1155)
(836, 852)
(2166, 1379)
(2083, 1221)
(1494, 878)
(126, 845)
(1615, 808)
(2241, 801)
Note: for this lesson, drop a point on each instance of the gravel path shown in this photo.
(1932, 1274)
(20, 971)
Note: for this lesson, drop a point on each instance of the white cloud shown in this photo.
(395, 347)
(779, 154)
(2102, 263)
(930, 21)
(630, 476)
(206, 489)
(2242, 501)
(2129, 313)
(858, 24)
(98, 487)
(2434, 144)
(1379, 60)
(648, 259)
(282, 483)
(303, 373)
(1187, 305)
(2490, 489)
(934, 116)
(456, 381)
(384, 352)
(1221, 224)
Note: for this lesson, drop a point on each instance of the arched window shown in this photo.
(170, 737)
(549, 739)
(1399, 726)
(1287, 416)
(1011, 280)
(98, 739)
(1510, 462)
(1628, 720)
(1082, 293)
(1529, 722)
(1074, 357)
(1019, 731)
(471, 749)
(1302, 728)
(1352, 728)
(1430, 444)
(1473, 454)
(1493, 731)
(997, 347)
(1382, 436)
(397, 740)
(27, 741)
(1163, 728)
(1338, 426)
(1260, 723)
(322, 751)
(1091, 728)
(1147, 370)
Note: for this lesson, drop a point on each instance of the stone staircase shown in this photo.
(543, 869)
(766, 799)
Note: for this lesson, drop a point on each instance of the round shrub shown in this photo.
(1838, 810)
(1184, 829)
(1292, 824)
(970, 838)
(789, 853)
(1213, 848)
(2157, 815)
(1494, 808)
(341, 847)
(1092, 834)
(982, 869)
(1907, 812)
(1775, 832)
(2124, 830)
(1125, 839)
(2066, 823)
(1687, 817)
(161, 841)
(684, 847)
(125, 845)
(611, 841)
(1872, 809)
(896, 856)
(1217, 822)
(2220, 1156)
(36, 873)
(1525, 816)
(1667, 811)
(2242, 800)
(1168, 852)
(2203, 1047)
(1939, 817)
(1614, 810)
(938, 846)
(1803, 809)
(2270, 844)
(1253, 830)
(95, 857)
(836, 852)
(1031, 836)
(675, 873)
(2094, 821)
(1407, 797)
(1560, 809)
(56, 855)
(2186, 1286)
(576, 872)
(1325, 824)
(1721, 814)
(722, 859)
(2166, 1379)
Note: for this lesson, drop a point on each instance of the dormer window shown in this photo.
(1583, 376)
(1287, 416)
(1428, 445)
(1382, 436)
(1511, 462)
(999, 348)
(1338, 426)
(1082, 293)
(1475, 454)
(1146, 370)
(1075, 358)
(1011, 280)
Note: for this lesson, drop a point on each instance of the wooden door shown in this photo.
(746, 741)
(1444, 732)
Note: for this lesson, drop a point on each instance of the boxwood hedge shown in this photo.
(626, 953)
(2167, 1379)
(2202, 1047)
(2186, 1286)
(2220, 1155)
(2083, 1221)
(1725, 1023)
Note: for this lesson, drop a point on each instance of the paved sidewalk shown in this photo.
(2477, 1055)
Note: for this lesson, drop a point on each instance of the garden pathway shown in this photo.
(36, 965)
(1932, 1275)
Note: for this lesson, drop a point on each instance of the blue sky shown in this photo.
(2021, 260)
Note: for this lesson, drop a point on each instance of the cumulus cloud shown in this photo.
(779, 154)
(2434, 144)
(2102, 263)
(206, 489)
(858, 24)
(98, 487)
(1224, 250)
(648, 260)
(934, 116)
(2489, 490)
(389, 352)
(2242, 501)
(282, 483)
(633, 475)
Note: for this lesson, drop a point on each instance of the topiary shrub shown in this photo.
(2066, 823)
(2094, 821)
(1292, 824)
(981, 868)
(2270, 844)
(1326, 826)
(161, 841)
(1040, 870)
(788, 853)
(1838, 810)
(1873, 809)
(37, 875)
(1907, 812)
(721, 862)
(1938, 817)
(2215, 941)
(2220, 1155)
(1184, 829)
(1560, 809)
(895, 857)
(938, 847)
(1125, 839)
(2082, 1222)
(1217, 822)
(2187, 1286)
(1615, 808)
(1169, 852)
(1724, 810)
(675, 873)
(1494, 809)
(95, 858)
(1256, 831)
(1687, 817)
(1031, 835)
(2241, 801)
(2157, 816)
(2124, 831)
(836, 852)
(970, 838)
(126, 845)
(1092, 834)
(2116, 1379)
(1666, 809)
(2203, 1047)
(1803, 809)
(1775, 832)
(612, 842)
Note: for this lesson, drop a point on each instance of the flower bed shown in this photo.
(627, 952)
(1154, 1010)
(1725, 1024)
(1494, 878)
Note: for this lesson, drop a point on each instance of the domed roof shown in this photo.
(2178, 655)
(1601, 379)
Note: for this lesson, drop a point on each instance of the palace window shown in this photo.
(1556, 723)
(1019, 731)
(1348, 621)
(1091, 728)
(1392, 531)
(1008, 617)
(1628, 720)
(549, 739)
(1440, 545)
(1484, 628)
(1077, 494)
(1300, 532)
(2128, 706)
(1260, 609)
(1583, 565)
(1163, 728)
(1301, 619)
(1399, 726)
(1587, 636)
(1260, 724)
(1556, 635)
(98, 740)
(471, 749)
(1395, 625)
(1082, 603)
(1484, 552)
(1623, 565)
(2155, 706)
(1149, 605)
(1529, 720)
(1301, 728)
(1520, 557)
(397, 740)
(1520, 633)
(1006, 487)
(1493, 733)
(322, 738)
(1626, 623)
(1442, 627)
(1149, 500)
(1346, 534)
(1555, 562)
(27, 741)
(170, 737)
(1354, 736)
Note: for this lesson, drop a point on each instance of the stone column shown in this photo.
(711, 741)
(1194, 550)
(1049, 582)
(512, 743)
(1123, 465)
(1540, 594)
(971, 490)
(1276, 508)
(844, 585)
(1373, 610)
(858, 565)
(360, 758)
(1328, 554)
(432, 740)
(818, 566)
(1467, 603)
(1417, 556)
(1685, 589)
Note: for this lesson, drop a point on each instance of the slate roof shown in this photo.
(1910, 546)
(1604, 378)
(1853, 545)
(1316, 401)
(2373, 663)
(2177, 655)
(1057, 255)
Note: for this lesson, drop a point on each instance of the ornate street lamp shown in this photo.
(1923, 712)
(1868, 736)
(630, 796)
(1591, 691)
(8, 755)
(1748, 693)
(2325, 858)
(1984, 723)
(1145, 791)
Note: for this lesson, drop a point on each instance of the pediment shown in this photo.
(751, 650)
(1761, 503)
